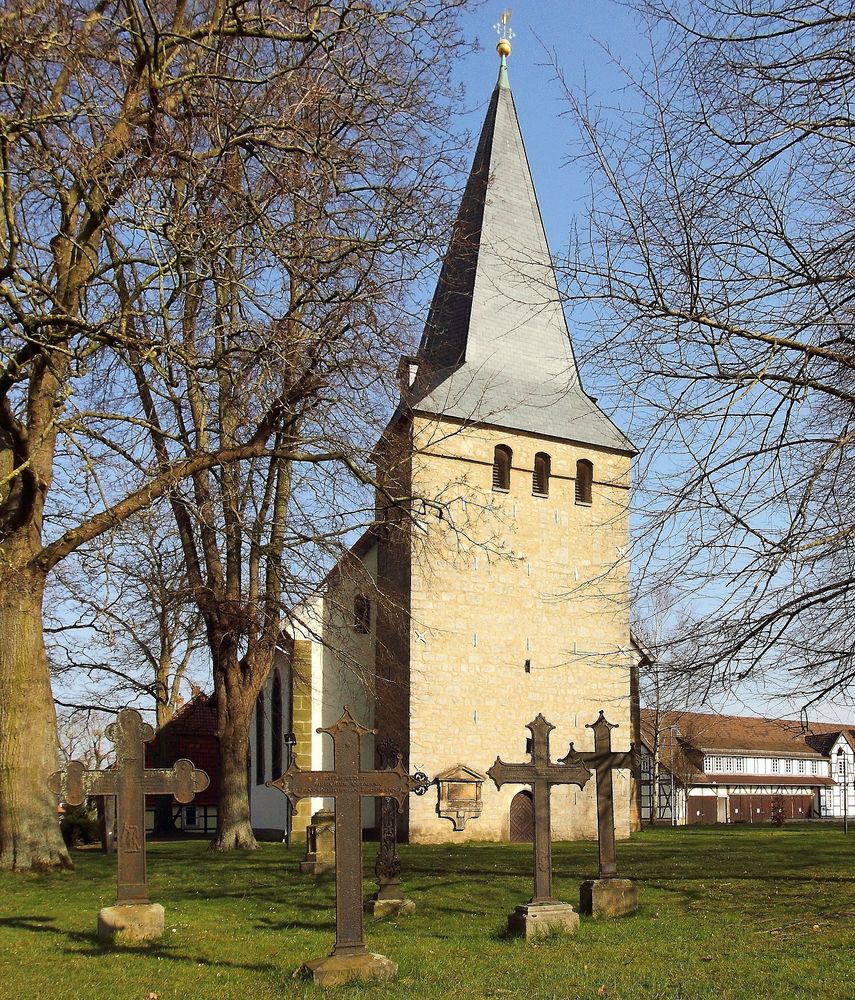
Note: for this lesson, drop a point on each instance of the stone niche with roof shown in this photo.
(459, 794)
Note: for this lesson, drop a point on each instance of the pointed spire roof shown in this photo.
(496, 348)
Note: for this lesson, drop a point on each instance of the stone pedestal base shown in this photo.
(380, 908)
(317, 867)
(533, 920)
(337, 970)
(608, 897)
(130, 923)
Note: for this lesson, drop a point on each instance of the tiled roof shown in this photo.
(496, 348)
(197, 716)
(722, 733)
(190, 733)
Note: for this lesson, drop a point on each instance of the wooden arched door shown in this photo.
(522, 818)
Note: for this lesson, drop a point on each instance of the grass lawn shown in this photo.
(727, 912)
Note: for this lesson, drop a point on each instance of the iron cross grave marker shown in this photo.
(129, 781)
(387, 866)
(541, 774)
(347, 784)
(604, 760)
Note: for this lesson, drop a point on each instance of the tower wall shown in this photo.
(502, 578)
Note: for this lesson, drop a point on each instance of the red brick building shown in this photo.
(192, 734)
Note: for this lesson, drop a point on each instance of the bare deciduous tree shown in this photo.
(178, 185)
(719, 258)
(122, 626)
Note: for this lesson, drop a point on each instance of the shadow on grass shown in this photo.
(266, 924)
(88, 945)
(36, 924)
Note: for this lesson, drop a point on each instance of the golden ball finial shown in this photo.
(505, 32)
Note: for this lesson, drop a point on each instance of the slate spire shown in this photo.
(496, 348)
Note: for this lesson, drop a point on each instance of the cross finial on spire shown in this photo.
(505, 33)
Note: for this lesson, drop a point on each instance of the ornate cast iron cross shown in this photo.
(347, 784)
(387, 866)
(130, 781)
(541, 774)
(604, 761)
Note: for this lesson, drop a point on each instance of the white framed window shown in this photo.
(776, 766)
(728, 763)
(739, 763)
(801, 767)
(814, 767)
(788, 766)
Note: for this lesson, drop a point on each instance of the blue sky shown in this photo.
(585, 40)
(581, 37)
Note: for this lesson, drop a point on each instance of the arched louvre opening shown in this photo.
(584, 480)
(502, 458)
(276, 733)
(542, 472)
(259, 738)
(362, 614)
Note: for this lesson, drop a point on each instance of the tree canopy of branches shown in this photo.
(121, 615)
(208, 214)
(720, 258)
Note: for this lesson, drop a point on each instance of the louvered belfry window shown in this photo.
(502, 467)
(584, 480)
(362, 614)
(540, 478)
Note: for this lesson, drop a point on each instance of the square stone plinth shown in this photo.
(130, 923)
(533, 920)
(337, 970)
(317, 867)
(381, 908)
(608, 897)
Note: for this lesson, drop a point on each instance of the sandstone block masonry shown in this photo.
(518, 604)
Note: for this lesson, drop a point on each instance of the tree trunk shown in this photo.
(29, 825)
(234, 829)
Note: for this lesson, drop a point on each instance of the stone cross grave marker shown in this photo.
(347, 784)
(133, 917)
(543, 913)
(607, 895)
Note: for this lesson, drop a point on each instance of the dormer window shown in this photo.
(540, 477)
(584, 480)
(502, 468)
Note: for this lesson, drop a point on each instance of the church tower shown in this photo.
(510, 595)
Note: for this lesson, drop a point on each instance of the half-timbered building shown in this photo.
(706, 768)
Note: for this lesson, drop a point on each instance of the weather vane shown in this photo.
(505, 33)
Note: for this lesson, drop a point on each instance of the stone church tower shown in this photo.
(497, 586)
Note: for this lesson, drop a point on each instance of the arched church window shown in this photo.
(259, 738)
(502, 467)
(362, 614)
(584, 480)
(540, 478)
(276, 727)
